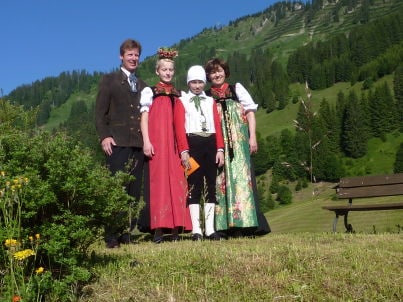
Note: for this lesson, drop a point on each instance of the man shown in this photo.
(117, 118)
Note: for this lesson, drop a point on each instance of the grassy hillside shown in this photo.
(305, 214)
(380, 156)
(274, 122)
(61, 114)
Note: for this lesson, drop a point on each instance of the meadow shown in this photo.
(301, 260)
(275, 267)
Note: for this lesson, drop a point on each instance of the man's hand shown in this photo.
(107, 144)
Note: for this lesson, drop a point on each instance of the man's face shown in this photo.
(130, 59)
(196, 86)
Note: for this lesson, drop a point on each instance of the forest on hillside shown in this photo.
(368, 51)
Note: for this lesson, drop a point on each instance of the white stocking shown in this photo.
(209, 218)
(195, 217)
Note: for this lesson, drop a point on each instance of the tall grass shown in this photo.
(276, 267)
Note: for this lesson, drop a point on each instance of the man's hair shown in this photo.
(129, 44)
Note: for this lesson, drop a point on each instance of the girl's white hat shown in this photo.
(196, 72)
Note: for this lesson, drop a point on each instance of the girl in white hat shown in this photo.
(198, 134)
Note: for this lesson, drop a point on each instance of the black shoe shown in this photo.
(175, 238)
(158, 239)
(112, 243)
(222, 235)
(197, 237)
(124, 238)
(214, 236)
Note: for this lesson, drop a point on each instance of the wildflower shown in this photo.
(10, 242)
(21, 255)
(31, 238)
(37, 236)
(2, 173)
(39, 270)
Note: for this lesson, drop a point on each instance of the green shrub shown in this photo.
(284, 195)
(67, 200)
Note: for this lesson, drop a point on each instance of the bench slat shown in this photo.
(370, 180)
(366, 207)
(370, 191)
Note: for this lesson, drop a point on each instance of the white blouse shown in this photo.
(146, 99)
(245, 98)
(194, 119)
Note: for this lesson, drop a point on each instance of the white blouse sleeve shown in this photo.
(146, 99)
(245, 98)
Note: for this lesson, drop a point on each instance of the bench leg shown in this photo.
(349, 227)
(342, 212)
(335, 223)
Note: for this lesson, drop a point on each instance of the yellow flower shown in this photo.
(37, 236)
(21, 255)
(39, 270)
(31, 238)
(10, 242)
(3, 173)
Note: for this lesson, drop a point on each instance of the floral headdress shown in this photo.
(167, 53)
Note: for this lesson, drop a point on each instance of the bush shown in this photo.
(284, 195)
(67, 200)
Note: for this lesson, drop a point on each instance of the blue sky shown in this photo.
(42, 38)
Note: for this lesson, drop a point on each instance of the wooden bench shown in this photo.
(364, 187)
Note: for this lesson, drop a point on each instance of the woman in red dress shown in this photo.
(168, 209)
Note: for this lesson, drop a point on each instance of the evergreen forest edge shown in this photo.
(358, 43)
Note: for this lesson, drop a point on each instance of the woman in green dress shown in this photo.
(237, 212)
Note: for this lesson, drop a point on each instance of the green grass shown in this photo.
(276, 267)
(61, 114)
(301, 260)
(305, 214)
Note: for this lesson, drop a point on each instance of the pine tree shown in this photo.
(332, 124)
(284, 195)
(382, 111)
(398, 165)
(273, 148)
(354, 130)
(398, 91)
(261, 158)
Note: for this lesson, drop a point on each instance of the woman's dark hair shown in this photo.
(212, 66)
